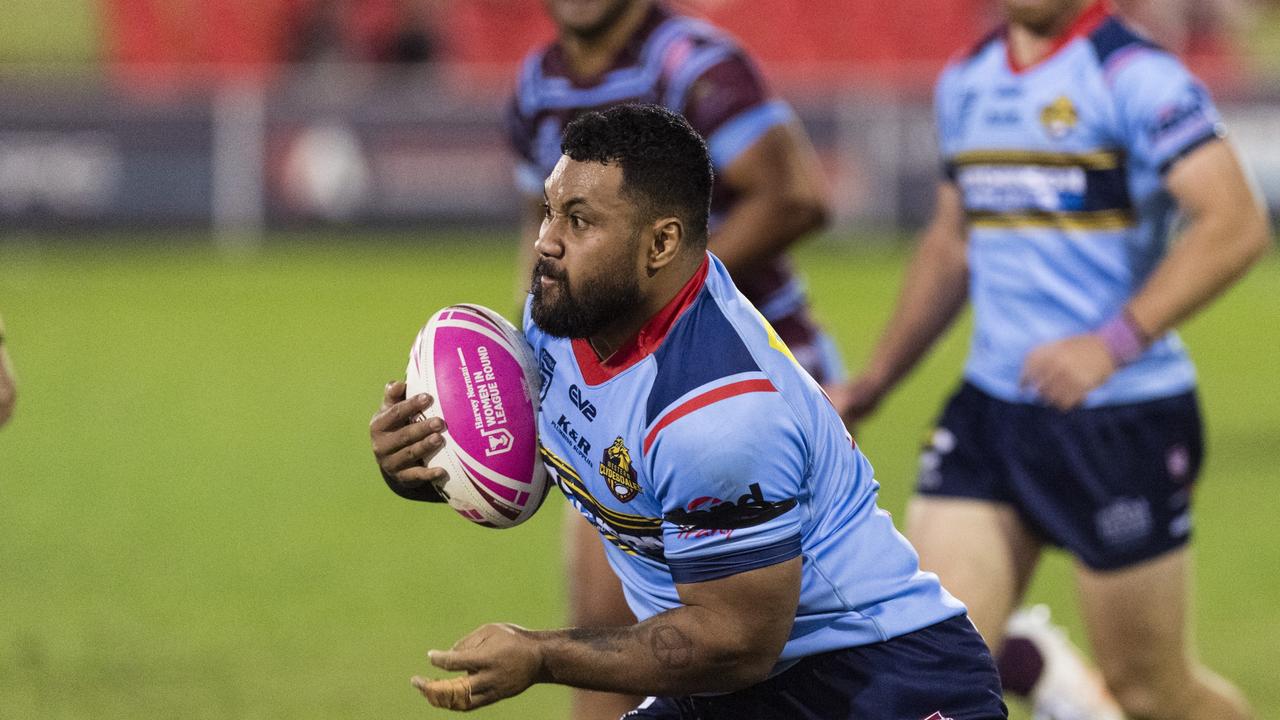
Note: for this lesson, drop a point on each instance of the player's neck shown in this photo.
(1029, 45)
(661, 290)
(590, 56)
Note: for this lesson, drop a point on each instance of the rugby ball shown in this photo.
(482, 375)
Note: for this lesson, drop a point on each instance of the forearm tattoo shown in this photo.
(671, 647)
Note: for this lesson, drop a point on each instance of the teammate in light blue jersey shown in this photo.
(1070, 142)
(735, 509)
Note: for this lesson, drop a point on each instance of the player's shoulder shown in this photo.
(971, 63)
(711, 363)
(1113, 38)
(704, 352)
(537, 65)
(1125, 55)
(530, 79)
(970, 56)
(688, 28)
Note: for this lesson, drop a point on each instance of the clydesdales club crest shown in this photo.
(615, 468)
(1059, 118)
(937, 716)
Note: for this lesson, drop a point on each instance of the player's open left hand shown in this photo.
(1065, 371)
(501, 660)
(401, 446)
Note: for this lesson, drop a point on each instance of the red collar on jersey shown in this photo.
(596, 371)
(1086, 22)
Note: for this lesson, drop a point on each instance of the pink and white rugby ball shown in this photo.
(482, 375)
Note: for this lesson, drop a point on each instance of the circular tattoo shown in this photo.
(671, 647)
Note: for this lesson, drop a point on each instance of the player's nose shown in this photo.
(550, 238)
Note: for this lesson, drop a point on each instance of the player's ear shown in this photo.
(668, 237)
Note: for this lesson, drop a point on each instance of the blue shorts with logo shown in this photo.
(1112, 485)
(941, 672)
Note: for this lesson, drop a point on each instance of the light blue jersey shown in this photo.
(702, 450)
(1061, 166)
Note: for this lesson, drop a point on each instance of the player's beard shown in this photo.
(601, 300)
(1045, 18)
(608, 17)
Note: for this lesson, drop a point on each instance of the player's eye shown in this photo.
(546, 211)
(577, 222)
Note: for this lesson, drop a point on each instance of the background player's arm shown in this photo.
(934, 290)
(727, 635)
(1226, 232)
(781, 195)
(8, 389)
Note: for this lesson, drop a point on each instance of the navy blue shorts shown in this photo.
(942, 672)
(1112, 485)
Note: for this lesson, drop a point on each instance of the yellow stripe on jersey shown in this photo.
(1097, 160)
(622, 521)
(775, 341)
(1092, 220)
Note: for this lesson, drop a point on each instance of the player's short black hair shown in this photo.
(666, 168)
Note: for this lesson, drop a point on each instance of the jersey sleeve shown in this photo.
(729, 473)
(1165, 112)
(520, 134)
(720, 92)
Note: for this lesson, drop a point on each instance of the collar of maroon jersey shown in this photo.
(642, 345)
(1086, 22)
(556, 64)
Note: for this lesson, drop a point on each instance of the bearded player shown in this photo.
(729, 498)
(1071, 145)
(769, 190)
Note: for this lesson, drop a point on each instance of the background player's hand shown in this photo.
(1065, 371)
(501, 660)
(858, 399)
(401, 446)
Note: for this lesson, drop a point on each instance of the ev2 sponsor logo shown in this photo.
(585, 406)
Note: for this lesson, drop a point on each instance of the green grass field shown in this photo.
(192, 527)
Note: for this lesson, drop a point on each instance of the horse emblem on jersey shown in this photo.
(615, 468)
(1059, 117)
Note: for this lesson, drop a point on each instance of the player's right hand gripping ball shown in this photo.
(482, 375)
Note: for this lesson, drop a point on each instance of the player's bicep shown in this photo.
(1213, 191)
(945, 238)
(755, 608)
(1209, 178)
(948, 217)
